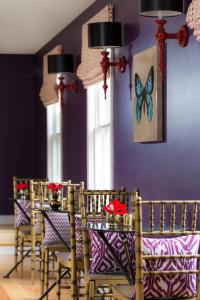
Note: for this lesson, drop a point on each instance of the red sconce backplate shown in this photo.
(182, 37)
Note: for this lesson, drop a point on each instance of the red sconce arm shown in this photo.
(61, 87)
(106, 64)
(181, 36)
(72, 86)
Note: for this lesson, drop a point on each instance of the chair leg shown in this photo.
(91, 289)
(21, 246)
(46, 270)
(78, 282)
(59, 281)
(86, 290)
(40, 255)
(16, 245)
(33, 260)
(42, 271)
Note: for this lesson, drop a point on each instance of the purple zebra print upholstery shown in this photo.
(61, 222)
(102, 259)
(21, 219)
(79, 243)
(163, 286)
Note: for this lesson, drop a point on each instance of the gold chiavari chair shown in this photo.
(19, 224)
(70, 260)
(22, 211)
(49, 250)
(37, 226)
(92, 203)
(33, 234)
(168, 219)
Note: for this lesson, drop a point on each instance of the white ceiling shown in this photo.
(27, 25)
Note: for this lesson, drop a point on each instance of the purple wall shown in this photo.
(161, 170)
(16, 123)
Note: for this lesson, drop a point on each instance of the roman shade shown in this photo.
(193, 18)
(89, 71)
(48, 94)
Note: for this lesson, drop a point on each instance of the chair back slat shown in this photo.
(172, 216)
(194, 216)
(93, 206)
(184, 216)
(162, 216)
(151, 217)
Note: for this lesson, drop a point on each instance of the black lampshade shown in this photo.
(104, 35)
(60, 63)
(161, 8)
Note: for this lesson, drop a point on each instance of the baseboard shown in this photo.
(6, 220)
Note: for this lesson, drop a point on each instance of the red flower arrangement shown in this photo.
(22, 189)
(55, 187)
(116, 208)
(22, 186)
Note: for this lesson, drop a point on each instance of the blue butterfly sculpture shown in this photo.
(144, 96)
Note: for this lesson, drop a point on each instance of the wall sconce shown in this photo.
(106, 35)
(160, 9)
(60, 64)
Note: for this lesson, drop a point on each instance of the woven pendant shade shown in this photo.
(193, 17)
(47, 93)
(89, 71)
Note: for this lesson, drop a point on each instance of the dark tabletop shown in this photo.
(107, 227)
(48, 208)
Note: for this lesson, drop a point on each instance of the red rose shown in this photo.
(55, 187)
(22, 186)
(116, 208)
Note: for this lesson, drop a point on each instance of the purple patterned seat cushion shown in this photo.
(21, 218)
(61, 222)
(180, 285)
(102, 258)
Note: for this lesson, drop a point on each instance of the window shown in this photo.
(54, 142)
(99, 137)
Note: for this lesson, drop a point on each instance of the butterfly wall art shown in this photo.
(144, 99)
(148, 123)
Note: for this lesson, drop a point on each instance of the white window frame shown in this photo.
(54, 167)
(91, 184)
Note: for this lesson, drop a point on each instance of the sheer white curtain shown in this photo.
(54, 142)
(99, 137)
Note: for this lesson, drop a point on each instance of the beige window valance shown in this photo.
(47, 93)
(193, 17)
(89, 71)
